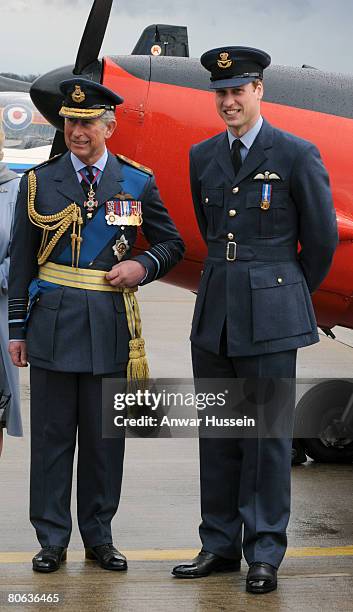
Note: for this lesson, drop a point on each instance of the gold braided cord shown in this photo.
(137, 368)
(81, 113)
(58, 223)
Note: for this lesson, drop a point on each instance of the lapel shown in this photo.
(66, 180)
(110, 183)
(256, 156)
(223, 156)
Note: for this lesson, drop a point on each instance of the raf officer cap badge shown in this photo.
(86, 99)
(234, 66)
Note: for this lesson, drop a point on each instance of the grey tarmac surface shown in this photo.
(159, 513)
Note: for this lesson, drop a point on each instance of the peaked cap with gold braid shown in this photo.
(234, 66)
(86, 99)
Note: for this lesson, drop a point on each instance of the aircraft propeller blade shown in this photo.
(93, 34)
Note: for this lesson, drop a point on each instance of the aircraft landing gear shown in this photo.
(325, 415)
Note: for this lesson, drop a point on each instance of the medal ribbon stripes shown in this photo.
(266, 196)
(86, 179)
(123, 212)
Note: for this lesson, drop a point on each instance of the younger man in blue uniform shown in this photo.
(257, 191)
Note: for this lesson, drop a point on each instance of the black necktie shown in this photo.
(236, 157)
(88, 171)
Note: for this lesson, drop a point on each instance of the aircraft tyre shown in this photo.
(298, 452)
(317, 414)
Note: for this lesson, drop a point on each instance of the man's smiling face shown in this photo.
(86, 138)
(239, 107)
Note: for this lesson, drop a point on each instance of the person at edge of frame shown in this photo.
(76, 222)
(10, 405)
(257, 191)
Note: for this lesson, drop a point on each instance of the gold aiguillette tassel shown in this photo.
(73, 237)
(79, 238)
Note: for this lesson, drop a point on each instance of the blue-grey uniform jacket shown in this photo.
(77, 330)
(254, 279)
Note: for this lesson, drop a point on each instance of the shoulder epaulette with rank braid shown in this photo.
(134, 164)
(42, 164)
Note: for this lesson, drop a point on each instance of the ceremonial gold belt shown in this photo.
(95, 280)
(79, 278)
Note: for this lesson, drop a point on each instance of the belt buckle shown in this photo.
(231, 251)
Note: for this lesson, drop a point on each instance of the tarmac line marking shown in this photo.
(183, 554)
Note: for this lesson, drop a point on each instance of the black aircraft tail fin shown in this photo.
(161, 39)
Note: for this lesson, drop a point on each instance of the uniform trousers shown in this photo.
(64, 406)
(245, 482)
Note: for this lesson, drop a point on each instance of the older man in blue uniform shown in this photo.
(257, 191)
(76, 222)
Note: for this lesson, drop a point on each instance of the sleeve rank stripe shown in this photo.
(157, 262)
(167, 251)
(160, 253)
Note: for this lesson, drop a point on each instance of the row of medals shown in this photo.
(121, 246)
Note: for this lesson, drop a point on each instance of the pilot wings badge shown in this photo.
(267, 176)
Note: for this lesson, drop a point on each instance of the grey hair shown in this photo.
(107, 117)
(2, 140)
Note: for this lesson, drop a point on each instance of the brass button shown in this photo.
(232, 212)
(235, 189)
(206, 200)
(280, 280)
(230, 236)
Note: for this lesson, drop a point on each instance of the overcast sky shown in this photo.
(39, 35)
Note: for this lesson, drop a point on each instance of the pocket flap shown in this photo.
(212, 196)
(278, 275)
(51, 299)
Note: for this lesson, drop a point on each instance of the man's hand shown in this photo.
(18, 352)
(126, 274)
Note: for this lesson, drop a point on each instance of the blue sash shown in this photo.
(37, 287)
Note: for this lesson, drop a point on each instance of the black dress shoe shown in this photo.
(204, 564)
(108, 557)
(49, 558)
(261, 578)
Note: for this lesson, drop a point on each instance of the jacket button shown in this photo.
(279, 280)
(232, 212)
(230, 236)
(235, 189)
(206, 200)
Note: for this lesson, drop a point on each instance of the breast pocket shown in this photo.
(42, 325)
(279, 304)
(268, 222)
(213, 200)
